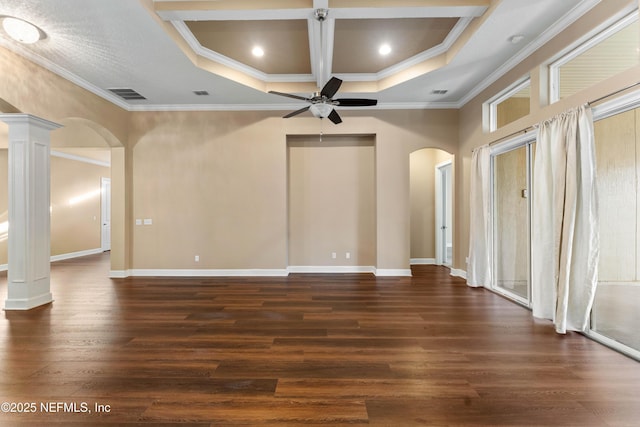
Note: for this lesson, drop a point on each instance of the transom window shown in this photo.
(610, 52)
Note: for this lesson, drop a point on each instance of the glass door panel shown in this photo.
(511, 224)
(616, 309)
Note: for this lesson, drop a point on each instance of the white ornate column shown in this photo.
(29, 214)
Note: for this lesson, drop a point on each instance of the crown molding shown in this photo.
(568, 19)
(63, 72)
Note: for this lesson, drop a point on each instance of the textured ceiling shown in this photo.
(166, 50)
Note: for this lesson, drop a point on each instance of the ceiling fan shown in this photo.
(322, 103)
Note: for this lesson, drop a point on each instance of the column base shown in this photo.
(28, 303)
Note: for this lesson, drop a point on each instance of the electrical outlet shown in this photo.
(334, 255)
(197, 258)
(348, 255)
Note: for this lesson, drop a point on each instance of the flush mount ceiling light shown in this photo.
(385, 49)
(257, 51)
(21, 30)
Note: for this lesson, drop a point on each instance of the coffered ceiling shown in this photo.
(442, 52)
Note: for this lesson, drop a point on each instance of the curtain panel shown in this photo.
(565, 239)
(479, 266)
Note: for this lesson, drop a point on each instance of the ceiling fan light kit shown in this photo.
(322, 103)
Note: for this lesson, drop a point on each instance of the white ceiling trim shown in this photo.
(443, 47)
(408, 12)
(64, 73)
(194, 44)
(326, 55)
(108, 96)
(287, 107)
(321, 49)
(339, 13)
(77, 158)
(235, 15)
(568, 19)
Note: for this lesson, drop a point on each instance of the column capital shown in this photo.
(29, 119)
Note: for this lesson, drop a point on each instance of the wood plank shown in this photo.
(307, 349)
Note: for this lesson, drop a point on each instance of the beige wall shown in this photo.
(215, 183)
(472, 134)
(75, 223)
(32, 89)
(331, 201)
(4, 202)
(423, 200)
(28, 88)
(75, 227)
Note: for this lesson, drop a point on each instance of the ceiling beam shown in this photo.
(335, 4)
(167, 5)
(407, 12)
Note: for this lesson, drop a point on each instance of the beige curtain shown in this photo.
(565, 241)
(479, 267)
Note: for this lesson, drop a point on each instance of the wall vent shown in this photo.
(127, 94)
(201, 92)
(439, 91)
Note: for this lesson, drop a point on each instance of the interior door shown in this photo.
(444, 214)
(106, 214)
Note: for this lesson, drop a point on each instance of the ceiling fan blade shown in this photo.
(331, 87)
(355, 102)
(295, 113)
(289, 95)
(334, 117)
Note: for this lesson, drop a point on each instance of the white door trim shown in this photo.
(440, 200)
(105, 217)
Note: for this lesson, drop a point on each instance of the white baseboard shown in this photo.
(422, 261)
(62, 257)
(78, 254)
(393, 272)
(119, 274)
(203, 273)
(332, 269)
(459, 273)
(28, 303)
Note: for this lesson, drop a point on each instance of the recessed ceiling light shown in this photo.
(257, 51)
(20, 30)
(515, 39)
(385, 49)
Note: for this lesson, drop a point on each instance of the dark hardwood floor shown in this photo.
(307, 349)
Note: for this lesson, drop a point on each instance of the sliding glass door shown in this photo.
(511, 229)
(616, 311)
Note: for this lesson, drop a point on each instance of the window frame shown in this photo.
(491, 106)
(601, 36)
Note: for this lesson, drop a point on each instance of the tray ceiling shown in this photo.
(186, 55)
